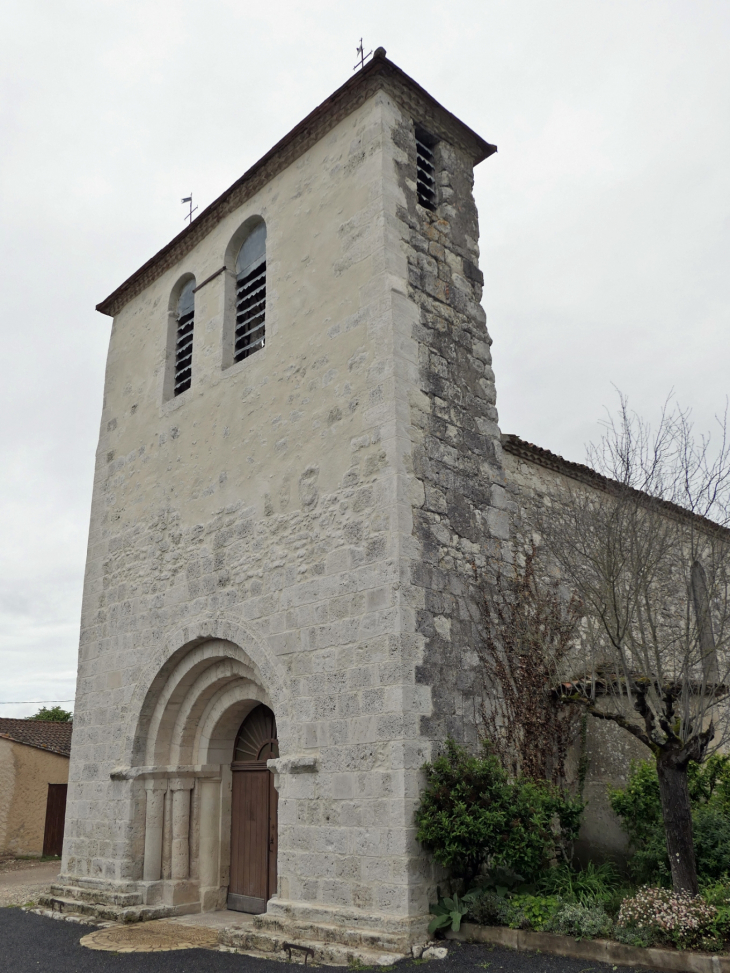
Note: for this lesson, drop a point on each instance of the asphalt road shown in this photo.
(34, 944)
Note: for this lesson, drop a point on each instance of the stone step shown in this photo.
(293, 929)
(96, 895)
(101, 910)
(330, 953)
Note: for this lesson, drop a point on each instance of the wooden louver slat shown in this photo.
(184, 352)
(425, 172)
(250, 312)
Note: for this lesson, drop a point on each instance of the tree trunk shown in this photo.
(677, 814)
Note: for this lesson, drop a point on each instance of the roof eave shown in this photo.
(36, 746)
(584, 474)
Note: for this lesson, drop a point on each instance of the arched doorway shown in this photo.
(253, 814)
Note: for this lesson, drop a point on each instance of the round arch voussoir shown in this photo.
(245, 644)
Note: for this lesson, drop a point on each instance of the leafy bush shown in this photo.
(717, 894)
(594, 884)
(532, 911)
(639, 807)
(711, 833)
(449, 912)
(489, 908)
(524, 910)
(471, 814)
(671, 917)
(631, 936)
(581, 921)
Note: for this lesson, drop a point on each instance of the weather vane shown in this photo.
(189, 199)
(362, 56)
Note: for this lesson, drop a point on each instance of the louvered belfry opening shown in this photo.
(184, 338)
(425, 169)
(250, 333)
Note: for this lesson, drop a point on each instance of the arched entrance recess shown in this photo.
(253, 814)
(189, 727)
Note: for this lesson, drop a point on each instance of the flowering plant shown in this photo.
(674, 917)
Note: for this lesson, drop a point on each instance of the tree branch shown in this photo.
(614, 718)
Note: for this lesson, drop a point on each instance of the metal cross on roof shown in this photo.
(189, 216)
(362, 56)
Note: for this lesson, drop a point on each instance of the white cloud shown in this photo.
(605, 216)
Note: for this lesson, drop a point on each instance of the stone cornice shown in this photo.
(378, 74)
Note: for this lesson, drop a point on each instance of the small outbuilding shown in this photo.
(34, 759)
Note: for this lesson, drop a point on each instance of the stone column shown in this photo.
(153, 829)
(180, 865)
(210, 803)
(167, 835)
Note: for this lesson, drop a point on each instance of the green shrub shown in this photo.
(525, 910)
(670, 917)
(449, 912)
(581, 921)
(489, 908)
(711, 833)
(471, 815)
(631, 936)
(639, 808)
(717, 894)
(532, 911)
(592, 885)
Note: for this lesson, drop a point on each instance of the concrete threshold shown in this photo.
(222, 919)
(599, 950)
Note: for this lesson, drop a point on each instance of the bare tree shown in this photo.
(648, 554)
(528, 628)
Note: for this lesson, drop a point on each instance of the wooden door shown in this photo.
(55, 817)
(253, 815)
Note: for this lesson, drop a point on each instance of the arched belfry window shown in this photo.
(250, 334)
(185, 315)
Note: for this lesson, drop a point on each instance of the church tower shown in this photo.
(299, 465)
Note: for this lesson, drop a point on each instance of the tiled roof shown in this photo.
(584, 474)
(43, 734)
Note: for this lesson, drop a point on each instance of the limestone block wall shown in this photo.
(25, 773)
(608, 749)
(271, 505)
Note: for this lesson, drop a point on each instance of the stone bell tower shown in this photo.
(298, 466)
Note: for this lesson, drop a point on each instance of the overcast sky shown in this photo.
(605, 217)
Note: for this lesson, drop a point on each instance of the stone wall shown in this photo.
(25, 773)
(461, 523)
(313, 510)
(609, 750)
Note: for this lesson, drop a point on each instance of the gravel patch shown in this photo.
(26, 864)
(21, 894)
(23, 881)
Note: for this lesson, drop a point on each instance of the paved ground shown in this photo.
(23, 881)
(34, 944)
